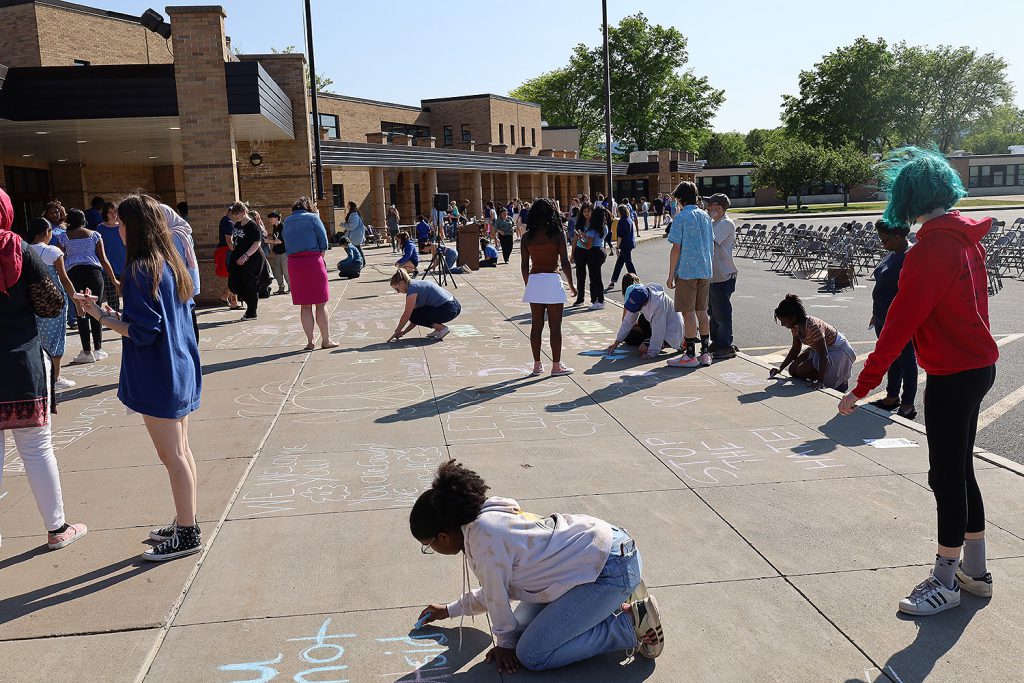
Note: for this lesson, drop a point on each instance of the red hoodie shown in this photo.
(942, 304)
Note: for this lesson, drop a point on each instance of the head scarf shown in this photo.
(10, 246)
(180, 226)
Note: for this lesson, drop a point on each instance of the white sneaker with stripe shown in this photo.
(930, 597)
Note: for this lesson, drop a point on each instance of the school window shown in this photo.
(522, 134)
(81, 62)
(330, 122)
(448, 136)
(501, 133)
(466, 136)
(512, 132)
(392, 128)
(338, 195)
(533, 137)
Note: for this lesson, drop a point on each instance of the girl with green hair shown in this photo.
(942, 304)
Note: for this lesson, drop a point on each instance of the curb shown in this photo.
(981, 454)
(845, 214)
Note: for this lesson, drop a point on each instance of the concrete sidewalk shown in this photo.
(777, 541)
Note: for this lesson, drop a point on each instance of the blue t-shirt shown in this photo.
(55, 238)
(490, 252)
(93, 217)
(626, 233)
(887, 283)
(422, 230)
(160, 371)
(451, 257)
(113, 246)
(224, 232)
(692, 231)
(429, 293)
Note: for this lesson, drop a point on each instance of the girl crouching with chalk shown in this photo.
(576, 576)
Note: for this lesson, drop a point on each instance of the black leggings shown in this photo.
(579, 258)
(951, 407)
(596, 259)
(90, 277)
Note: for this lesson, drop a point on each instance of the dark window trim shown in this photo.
(512, 131)
(533, 137)
(336, 127)
(448, 139)
(501, 133)
(467, 135)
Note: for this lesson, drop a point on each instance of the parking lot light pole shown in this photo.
(318, 162)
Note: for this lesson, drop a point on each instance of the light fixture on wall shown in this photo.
(154, 21)
(255, 158)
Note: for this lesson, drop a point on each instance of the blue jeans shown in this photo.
(645, 214)
(585, 621)
(904, 369)
(720, 310)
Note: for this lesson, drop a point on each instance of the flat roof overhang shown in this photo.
(126, 114)
(393, 156)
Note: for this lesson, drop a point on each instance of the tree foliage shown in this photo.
(759, 138)
(849, 167)
(656, 101)
(876, 97)
(994, 133)
(724, 149)
(565, 102)
(787, 166)
(322, 82)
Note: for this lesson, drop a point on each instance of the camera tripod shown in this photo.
(438, 266)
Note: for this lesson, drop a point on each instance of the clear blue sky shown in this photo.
(407, 50)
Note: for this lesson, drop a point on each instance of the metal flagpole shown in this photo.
(607, 102)
(316, 110)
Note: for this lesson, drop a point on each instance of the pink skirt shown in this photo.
(307, 278)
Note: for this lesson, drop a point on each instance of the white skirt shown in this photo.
(544, 288)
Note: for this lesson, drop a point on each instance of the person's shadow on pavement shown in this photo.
(936, 636)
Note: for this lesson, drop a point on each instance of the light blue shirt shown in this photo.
(355, 230)
(692, 231)
(304, 231)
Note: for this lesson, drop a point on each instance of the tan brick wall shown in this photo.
(356, 119)
(483, 116)
(20, 44)
(66, 35)
(284, 175)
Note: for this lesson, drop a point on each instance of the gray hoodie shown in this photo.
(666, 322)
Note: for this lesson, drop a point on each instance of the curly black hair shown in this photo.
(543, 218)
(455, 498)
(791, 307)
(884, 228)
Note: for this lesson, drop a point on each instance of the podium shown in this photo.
(467, 243)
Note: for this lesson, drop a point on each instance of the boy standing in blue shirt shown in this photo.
(692, 238)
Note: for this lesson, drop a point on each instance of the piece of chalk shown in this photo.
(421, 622)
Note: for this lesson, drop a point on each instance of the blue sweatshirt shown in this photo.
(422, 230)
(304, 231)
(160, 371)
(409, 254)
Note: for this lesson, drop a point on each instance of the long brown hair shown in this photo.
(149, 246)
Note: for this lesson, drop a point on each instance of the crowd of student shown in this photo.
(578, 578)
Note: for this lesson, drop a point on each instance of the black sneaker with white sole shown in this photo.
(163, 533)
(184, 540)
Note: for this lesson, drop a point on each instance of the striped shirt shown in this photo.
(814, 330)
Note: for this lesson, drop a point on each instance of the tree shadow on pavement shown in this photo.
(443, 665)
(936, 636)
(69, 590)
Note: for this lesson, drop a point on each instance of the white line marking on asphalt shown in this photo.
(1000, 408)
(3, 494)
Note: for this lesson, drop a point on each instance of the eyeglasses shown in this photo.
(426, 549)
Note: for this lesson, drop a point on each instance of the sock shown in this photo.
(974, 558)
(704, 341)
(60, 529)
(690, 344)
(945, 570)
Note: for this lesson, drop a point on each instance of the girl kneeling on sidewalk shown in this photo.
(828, 359)
(574, 575)
(426, 304)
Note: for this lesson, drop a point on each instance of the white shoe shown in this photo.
(100, 354)
(930, 597)
(442, 333)
(431, 334)
(84, 357)
(683, 361)
(980, 586)
(597, 306)
(63, 383)
(705, 360)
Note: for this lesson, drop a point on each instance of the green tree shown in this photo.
(1001, 127)
(846, 98)
(758, 138)
(566, 99)
(656, 102)
(849, 167)
(322, 82)
(788, 166)
(724, 149)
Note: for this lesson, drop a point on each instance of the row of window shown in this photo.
(732, 186)
(405, 129)
(1003, 175)
(330, 123)
(512, 134)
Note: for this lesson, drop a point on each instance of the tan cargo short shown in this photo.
(692, 295)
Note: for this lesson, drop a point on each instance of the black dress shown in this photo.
(246, 280)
